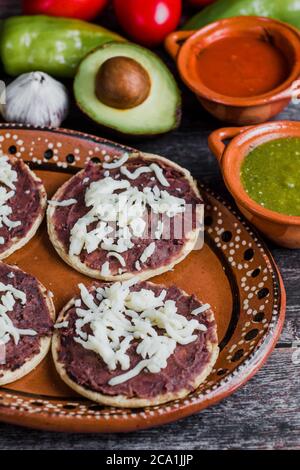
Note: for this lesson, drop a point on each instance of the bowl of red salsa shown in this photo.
(244, 70)
(260, 166)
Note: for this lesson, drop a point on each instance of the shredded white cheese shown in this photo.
(10, 223)
(119, 257)
(8, 177)
(161, 202)
(105, 270)
(18, 294)
(138, 226)
(149, 250)
(7, 304)
(138, 265)
(117, 163)
(65, 203)
(159, 230)
(146, 169)
(118, 204)
(159, 174)
(136, 173)
(63, 324)
(201, 309)
(117, 316)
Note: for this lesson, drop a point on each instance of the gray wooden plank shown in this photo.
(289, 265)
(264, 414)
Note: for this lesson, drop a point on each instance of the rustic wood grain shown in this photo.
(263, 414)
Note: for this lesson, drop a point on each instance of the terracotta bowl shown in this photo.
(282, 229)
(184, 46)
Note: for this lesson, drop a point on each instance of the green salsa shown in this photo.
(271, 175)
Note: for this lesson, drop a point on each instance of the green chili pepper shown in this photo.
(283, 10)
(48, 44)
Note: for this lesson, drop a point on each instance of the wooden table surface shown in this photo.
(265, 413)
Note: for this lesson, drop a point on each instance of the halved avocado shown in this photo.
(127, 88)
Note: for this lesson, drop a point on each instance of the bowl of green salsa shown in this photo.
(261, 169)
(271, 175)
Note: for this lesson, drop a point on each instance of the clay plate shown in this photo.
(234, 272)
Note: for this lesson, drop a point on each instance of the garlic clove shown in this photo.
(36, 99)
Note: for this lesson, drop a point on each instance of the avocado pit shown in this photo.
(122, 83)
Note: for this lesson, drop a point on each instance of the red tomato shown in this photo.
(148, 22)
(82, 9)
(200, 3)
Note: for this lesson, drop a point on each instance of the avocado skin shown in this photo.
(118, 132)
(123, 136)
(120, 136)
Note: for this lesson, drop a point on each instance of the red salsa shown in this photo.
(242, 66)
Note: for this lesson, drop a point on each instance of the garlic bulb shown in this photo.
(37, 99)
